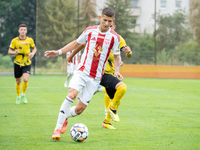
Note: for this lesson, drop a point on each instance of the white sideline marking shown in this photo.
(34, 87)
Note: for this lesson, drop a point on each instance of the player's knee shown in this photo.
(25, 80)
(18, 82)
(122, 88)
(72, 96)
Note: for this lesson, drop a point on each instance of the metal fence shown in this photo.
(58, 65)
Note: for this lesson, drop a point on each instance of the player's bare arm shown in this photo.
(12, 52)
(69, 47)
(117, 61)
(34, 50)
(68, 63)
(79, 48)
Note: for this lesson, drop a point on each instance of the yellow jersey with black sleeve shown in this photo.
(110, 63)
(24, 50)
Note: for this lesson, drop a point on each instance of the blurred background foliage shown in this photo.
(54, 23)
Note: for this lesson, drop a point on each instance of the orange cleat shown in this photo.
(64, 127)
(56, 135)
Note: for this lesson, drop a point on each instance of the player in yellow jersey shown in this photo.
(20, 47)
(115, 88)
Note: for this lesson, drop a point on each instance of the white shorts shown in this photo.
(85, 84)
(71, 68)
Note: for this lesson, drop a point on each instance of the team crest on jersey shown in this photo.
(97, 50)
(107, 41)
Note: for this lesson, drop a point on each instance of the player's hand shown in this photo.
(52, 53)
(118, 75)
(30, 55)
(69, 59)
(17, 51)
(68, 63)
(127, 49)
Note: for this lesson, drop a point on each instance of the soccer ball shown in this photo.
(79, 132)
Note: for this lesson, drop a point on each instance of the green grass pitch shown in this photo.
(155, 114)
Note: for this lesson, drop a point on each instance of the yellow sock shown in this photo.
(108, 117)
(106, 101)
(121, 90)
(24, 87)
(104, 89)
(18, 88)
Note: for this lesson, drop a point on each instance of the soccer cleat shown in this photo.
(24, 99)
(56, 134)
(108, 125)
(18, 100)
(114, 116)
(64, 127)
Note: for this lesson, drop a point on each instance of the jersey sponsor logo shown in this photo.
(107, 41)
(97, 50)
(101, 37)
(93, 39)
(23, 42)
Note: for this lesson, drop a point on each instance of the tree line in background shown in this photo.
(61, 21)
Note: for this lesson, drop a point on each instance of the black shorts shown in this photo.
(19, 70)
(109, 82)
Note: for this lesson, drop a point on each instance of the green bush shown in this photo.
(5, 62)
(189, 53)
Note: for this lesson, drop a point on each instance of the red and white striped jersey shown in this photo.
(97, 50)
(75, 60)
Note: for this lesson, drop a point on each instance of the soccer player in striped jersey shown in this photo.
(71, 67)
(101, 40)
(114, 88)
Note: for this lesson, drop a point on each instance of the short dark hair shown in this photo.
(108, 12)
(22, 25)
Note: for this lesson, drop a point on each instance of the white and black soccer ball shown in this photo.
(79, 132)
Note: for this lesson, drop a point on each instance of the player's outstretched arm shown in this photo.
(117, 61)
(75, 51)
(65, 49)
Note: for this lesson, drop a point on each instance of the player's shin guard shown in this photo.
(18, 89)
(64, 112)
(120, 91)
(24, 87)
